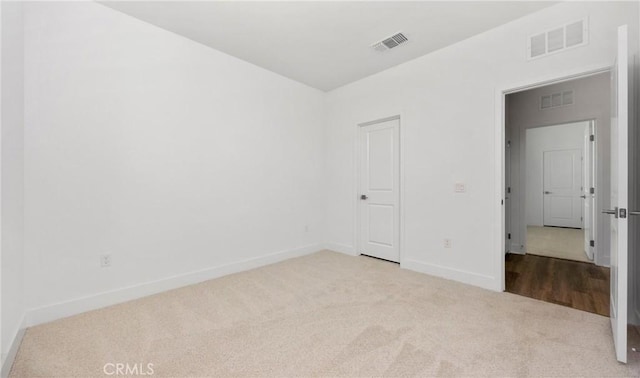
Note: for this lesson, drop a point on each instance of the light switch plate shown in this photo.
(460, 187)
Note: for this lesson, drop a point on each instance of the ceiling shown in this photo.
(325, 44)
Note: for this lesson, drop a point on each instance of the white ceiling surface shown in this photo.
(325, 44)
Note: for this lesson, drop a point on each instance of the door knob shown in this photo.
(363, 197)
(613, 212)
(546, 192)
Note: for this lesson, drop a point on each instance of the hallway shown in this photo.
(583, 286)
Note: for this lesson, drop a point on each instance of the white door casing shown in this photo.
(379, 190)
(562, 182)
(588, 178)
(507, 196)
(619, 195)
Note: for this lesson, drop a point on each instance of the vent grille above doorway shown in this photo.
(558, 39)
(556, 99)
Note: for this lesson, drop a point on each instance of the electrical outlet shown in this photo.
(447, 243)
(105, 261)
(460, 187)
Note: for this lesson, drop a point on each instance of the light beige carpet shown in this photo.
(327, 314)
(563, 243)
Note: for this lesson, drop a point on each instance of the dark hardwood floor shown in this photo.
(580, 285)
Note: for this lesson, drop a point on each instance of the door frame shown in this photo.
(593, 167)
(499, 149)
(522, 163)
(356, 207)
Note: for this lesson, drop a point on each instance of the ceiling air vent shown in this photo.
(391, 42)
(560, 38)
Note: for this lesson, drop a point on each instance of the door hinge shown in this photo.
(501, 202)
(592, 190)
(509, 236)
(592, 243)
(592, 137)
(509, 190)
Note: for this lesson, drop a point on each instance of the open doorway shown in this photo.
(556, 156)
(560, 192)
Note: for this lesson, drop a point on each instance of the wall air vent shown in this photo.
(560, 38)
(390, 42)
(556, 99)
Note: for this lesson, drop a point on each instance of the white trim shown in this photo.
(635, 317)
(595, 173)
(520, 248)
(380, 120)
(9, 358)
(79, 305)
(342, 248)
(466, 277)
(561, 77)
(498, 188)
(516, 248)
(499, 176)
(401, 130)
(2, 360)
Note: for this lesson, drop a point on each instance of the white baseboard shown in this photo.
(342, 248)
(635, 318)
(76, 306)
(9, 358)
(470, 278)
(516, 248)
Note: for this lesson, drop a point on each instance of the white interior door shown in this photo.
(588, 196)
(562, 182)
(619, 195)
(380, 190)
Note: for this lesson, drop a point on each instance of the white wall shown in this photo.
(171, 156)
(143, 144)
(592, 101)
(12, 209)
(539, 140)
(447, 102)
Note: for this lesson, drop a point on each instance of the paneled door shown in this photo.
(562, 177)
(379, 190)
(619, 195)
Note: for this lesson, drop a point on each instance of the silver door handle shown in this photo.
(363, 197)
(547, 192)
(634, 212)
(583, 196)
(613, 212)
